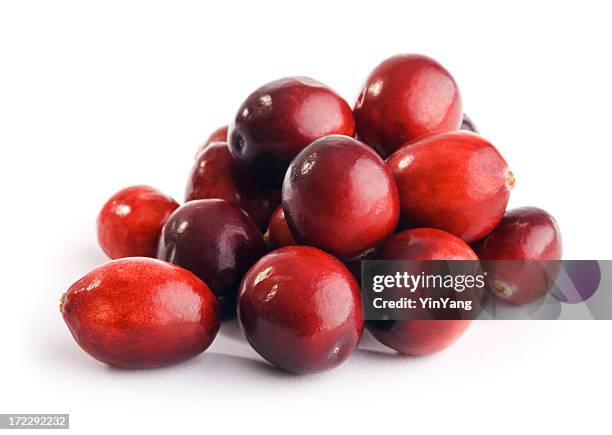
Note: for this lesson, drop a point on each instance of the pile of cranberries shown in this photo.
(280, 208)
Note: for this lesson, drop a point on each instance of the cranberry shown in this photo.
(528, 234)
(454, 181)
(300, 309)
(468, 124)
(339, 196)
(406, 97)
(217, 241)
(130, 222)
(278, 233)
(421, 337)
(219, 135)
(216, 174)
(281, 118)
(141, 312)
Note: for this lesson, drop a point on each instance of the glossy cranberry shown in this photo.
(454, 181)
(219, 135)
(300, 309)
(528, 234)
(281, 118)
(421, 337)
(130, 222)
(406, 97)
(216, 174)
(339, 196)
(141, 312)
(278, 233)
(217, 241)
(468, 124)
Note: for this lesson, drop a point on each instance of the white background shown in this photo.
(95, 97)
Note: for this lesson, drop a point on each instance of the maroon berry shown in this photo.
(280, 119)
(300, 309)
(339, 196)
(215, 240)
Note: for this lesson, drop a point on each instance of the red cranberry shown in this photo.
(141, 312)
(468, 124)
(215, 240)
(281, 118)
(130, 222)
(219, 135)
(216, 174)
(278, 233)
(526, 233)
(406, 97)
(339, 196)
(421, 337)
(454, 181)
(300, 309)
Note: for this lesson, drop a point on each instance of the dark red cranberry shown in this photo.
(281, 118)
(528, 234)
(468, 124)
(130, 222)
(217, 241)
(141, 312)
(278, 233)
(300, 309)
(216, 174)
(421, 337)
(339, 196)
(454, 181)
(219, 135)
(406, 97)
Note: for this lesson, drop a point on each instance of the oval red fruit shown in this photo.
(140, 313)
(455, 181)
